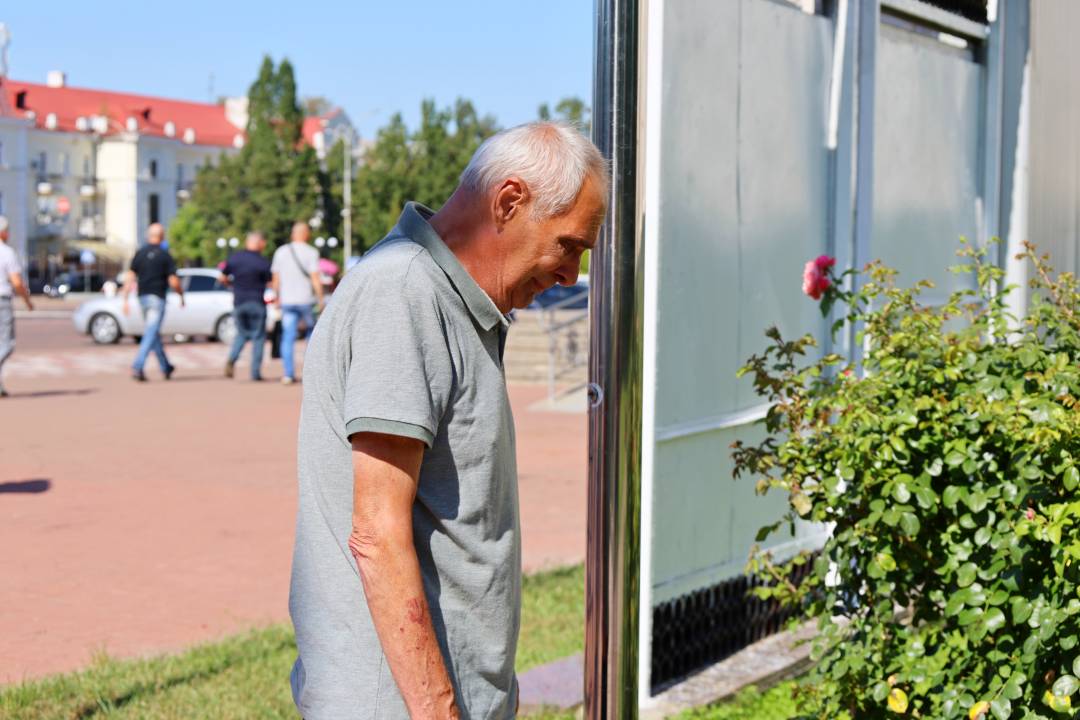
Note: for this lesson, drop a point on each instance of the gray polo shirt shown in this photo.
(410, 345)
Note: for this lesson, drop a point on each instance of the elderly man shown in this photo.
(11, 283)
(406, 576)
(153, 272)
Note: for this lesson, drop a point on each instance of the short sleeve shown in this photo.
(275, 265)
(400, 374)
(228, 270)
(170, 264)
(136, 262)
(9, 263)
(313, 261)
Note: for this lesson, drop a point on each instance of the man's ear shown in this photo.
(510, 201)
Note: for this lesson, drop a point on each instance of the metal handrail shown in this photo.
(558, 332)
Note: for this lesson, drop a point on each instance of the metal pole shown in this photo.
(615, 373)
(347, 191)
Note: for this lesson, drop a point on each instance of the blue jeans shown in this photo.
(250, 318)
(153, 309)
(290, 317)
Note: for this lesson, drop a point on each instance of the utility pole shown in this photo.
(347, 191)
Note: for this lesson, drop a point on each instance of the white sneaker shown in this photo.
(287, 380)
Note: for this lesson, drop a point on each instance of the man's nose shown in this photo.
(568, 273)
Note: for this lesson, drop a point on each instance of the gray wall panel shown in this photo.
(926, 157)
(744, 202)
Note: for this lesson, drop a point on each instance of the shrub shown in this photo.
(948, 468)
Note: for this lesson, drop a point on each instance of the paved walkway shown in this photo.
(137, 519)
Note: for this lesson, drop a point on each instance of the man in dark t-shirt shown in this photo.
(248, 272)
(154, 272)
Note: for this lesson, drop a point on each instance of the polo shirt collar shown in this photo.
(414, 224)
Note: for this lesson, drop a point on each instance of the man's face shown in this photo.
(301, 233)
(548, 252)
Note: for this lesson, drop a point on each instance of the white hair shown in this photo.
(3, 223)
(552, 158)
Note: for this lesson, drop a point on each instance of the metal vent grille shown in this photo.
(696, 630)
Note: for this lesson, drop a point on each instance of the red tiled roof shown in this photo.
(151, 113)
(316, 123)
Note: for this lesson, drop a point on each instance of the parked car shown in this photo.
(207, 312)
(67, 282)
(566, 297)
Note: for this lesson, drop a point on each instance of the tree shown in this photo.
(423, 165)
(571, 110)
(189, 240)
(275, 179)
(316, 105)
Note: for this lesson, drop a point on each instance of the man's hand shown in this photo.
(19, 287)
(386, 469)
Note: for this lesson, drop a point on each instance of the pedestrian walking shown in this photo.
(248, 273)
(298, 291)
(153, 272)
(11, 284)
(406, 576)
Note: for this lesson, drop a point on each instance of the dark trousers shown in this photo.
(250, 318)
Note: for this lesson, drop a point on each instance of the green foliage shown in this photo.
(422, 165)
(948, 470)
(274, 180)
(777, 703)
(189, 241)
(570, 109)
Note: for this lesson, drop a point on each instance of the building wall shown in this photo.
(117, 169)
(1054, 195)
(13, 181)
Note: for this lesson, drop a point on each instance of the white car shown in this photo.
(207, 311)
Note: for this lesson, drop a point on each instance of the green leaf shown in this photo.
(901, 493)
(1021, 610)
(955, 458)
(909, 523)
(952, 496)
(1076, 666)
(982, 536)
(994, 619)
(926, 498)
(966, 574)
(1001, 708)
(1065, 686)
(976, 501)
(1071, 478)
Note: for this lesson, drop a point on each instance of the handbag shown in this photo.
(275, 340)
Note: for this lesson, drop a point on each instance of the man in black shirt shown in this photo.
(248, 272)
(154, 271)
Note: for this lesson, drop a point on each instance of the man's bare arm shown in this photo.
(386, 469)
(20, 289)
(275, 285)
(129, 287)
(174, 283)
(316, 285)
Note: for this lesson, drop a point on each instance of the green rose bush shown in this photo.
(947, 467)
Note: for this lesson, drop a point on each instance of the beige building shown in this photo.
(85, 169)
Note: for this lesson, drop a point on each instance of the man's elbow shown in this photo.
(373, 544)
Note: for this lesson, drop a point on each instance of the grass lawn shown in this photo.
(246, 676)
(750, 704)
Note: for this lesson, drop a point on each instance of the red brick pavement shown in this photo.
(169, 510)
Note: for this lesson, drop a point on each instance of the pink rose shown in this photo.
(1030, 513)
(815, 279)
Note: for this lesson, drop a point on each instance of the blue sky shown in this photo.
(372, 58)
